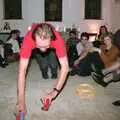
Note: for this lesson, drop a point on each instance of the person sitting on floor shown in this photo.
(71, 47)
(103, 31)
(111, 74)
(12, 47)
(109, 55)
(88, 54)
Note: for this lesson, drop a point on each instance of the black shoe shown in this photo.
(97, 71)
(3, 65)
(45, 75)
(54, 76)
(116, 103)
(99, 80)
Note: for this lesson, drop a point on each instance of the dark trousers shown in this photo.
(7, 51)
(1, 60)
(85, 66)
(46, 60)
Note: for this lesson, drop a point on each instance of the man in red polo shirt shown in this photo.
(41, 36)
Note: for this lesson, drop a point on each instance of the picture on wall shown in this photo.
(12, 9)
(92, 9)
(53, 10)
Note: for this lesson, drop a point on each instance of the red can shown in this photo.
(46, 104)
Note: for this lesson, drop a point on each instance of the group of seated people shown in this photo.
(94, 58)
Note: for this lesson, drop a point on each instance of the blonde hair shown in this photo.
(44, 30)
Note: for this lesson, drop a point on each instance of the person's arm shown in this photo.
(82, 55)
(61, 79)
(23, 64)
(59, 45)
(64, 68)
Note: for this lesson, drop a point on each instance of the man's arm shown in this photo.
(63, 72)
(21, 83)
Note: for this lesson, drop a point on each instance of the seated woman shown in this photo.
(103, 31)
(12, 47)
(109, 55)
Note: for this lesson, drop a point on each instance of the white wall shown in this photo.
(73, 13)
(115, 15)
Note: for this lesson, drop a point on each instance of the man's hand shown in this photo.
(51, 95)
(76, 62)
(21, 107)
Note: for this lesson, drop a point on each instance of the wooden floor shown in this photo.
(68, 105)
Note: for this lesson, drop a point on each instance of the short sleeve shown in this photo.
(28, 44)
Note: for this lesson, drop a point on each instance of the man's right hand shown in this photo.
(20, 107)
(76, 62)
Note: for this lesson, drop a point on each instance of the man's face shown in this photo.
(84, 40)
(42, 43)
(107, 40)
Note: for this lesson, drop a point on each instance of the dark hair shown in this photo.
(15, 31)
(85, 34)
(73, 32)
(110, 36)
(46, 29)
(103, 26)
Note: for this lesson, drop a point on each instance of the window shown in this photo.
(92, 9)
(12, 9)
(53, 10)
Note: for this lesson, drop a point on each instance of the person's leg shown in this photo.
(108, 74)
(97, 65)
(84, 68)
(53, 63)
(113, 76)
(2, 59)
(7, 52)
(43, 63)
(96, 62)
(2, 62)
(111, 68)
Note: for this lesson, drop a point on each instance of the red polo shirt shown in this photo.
(29, 44)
